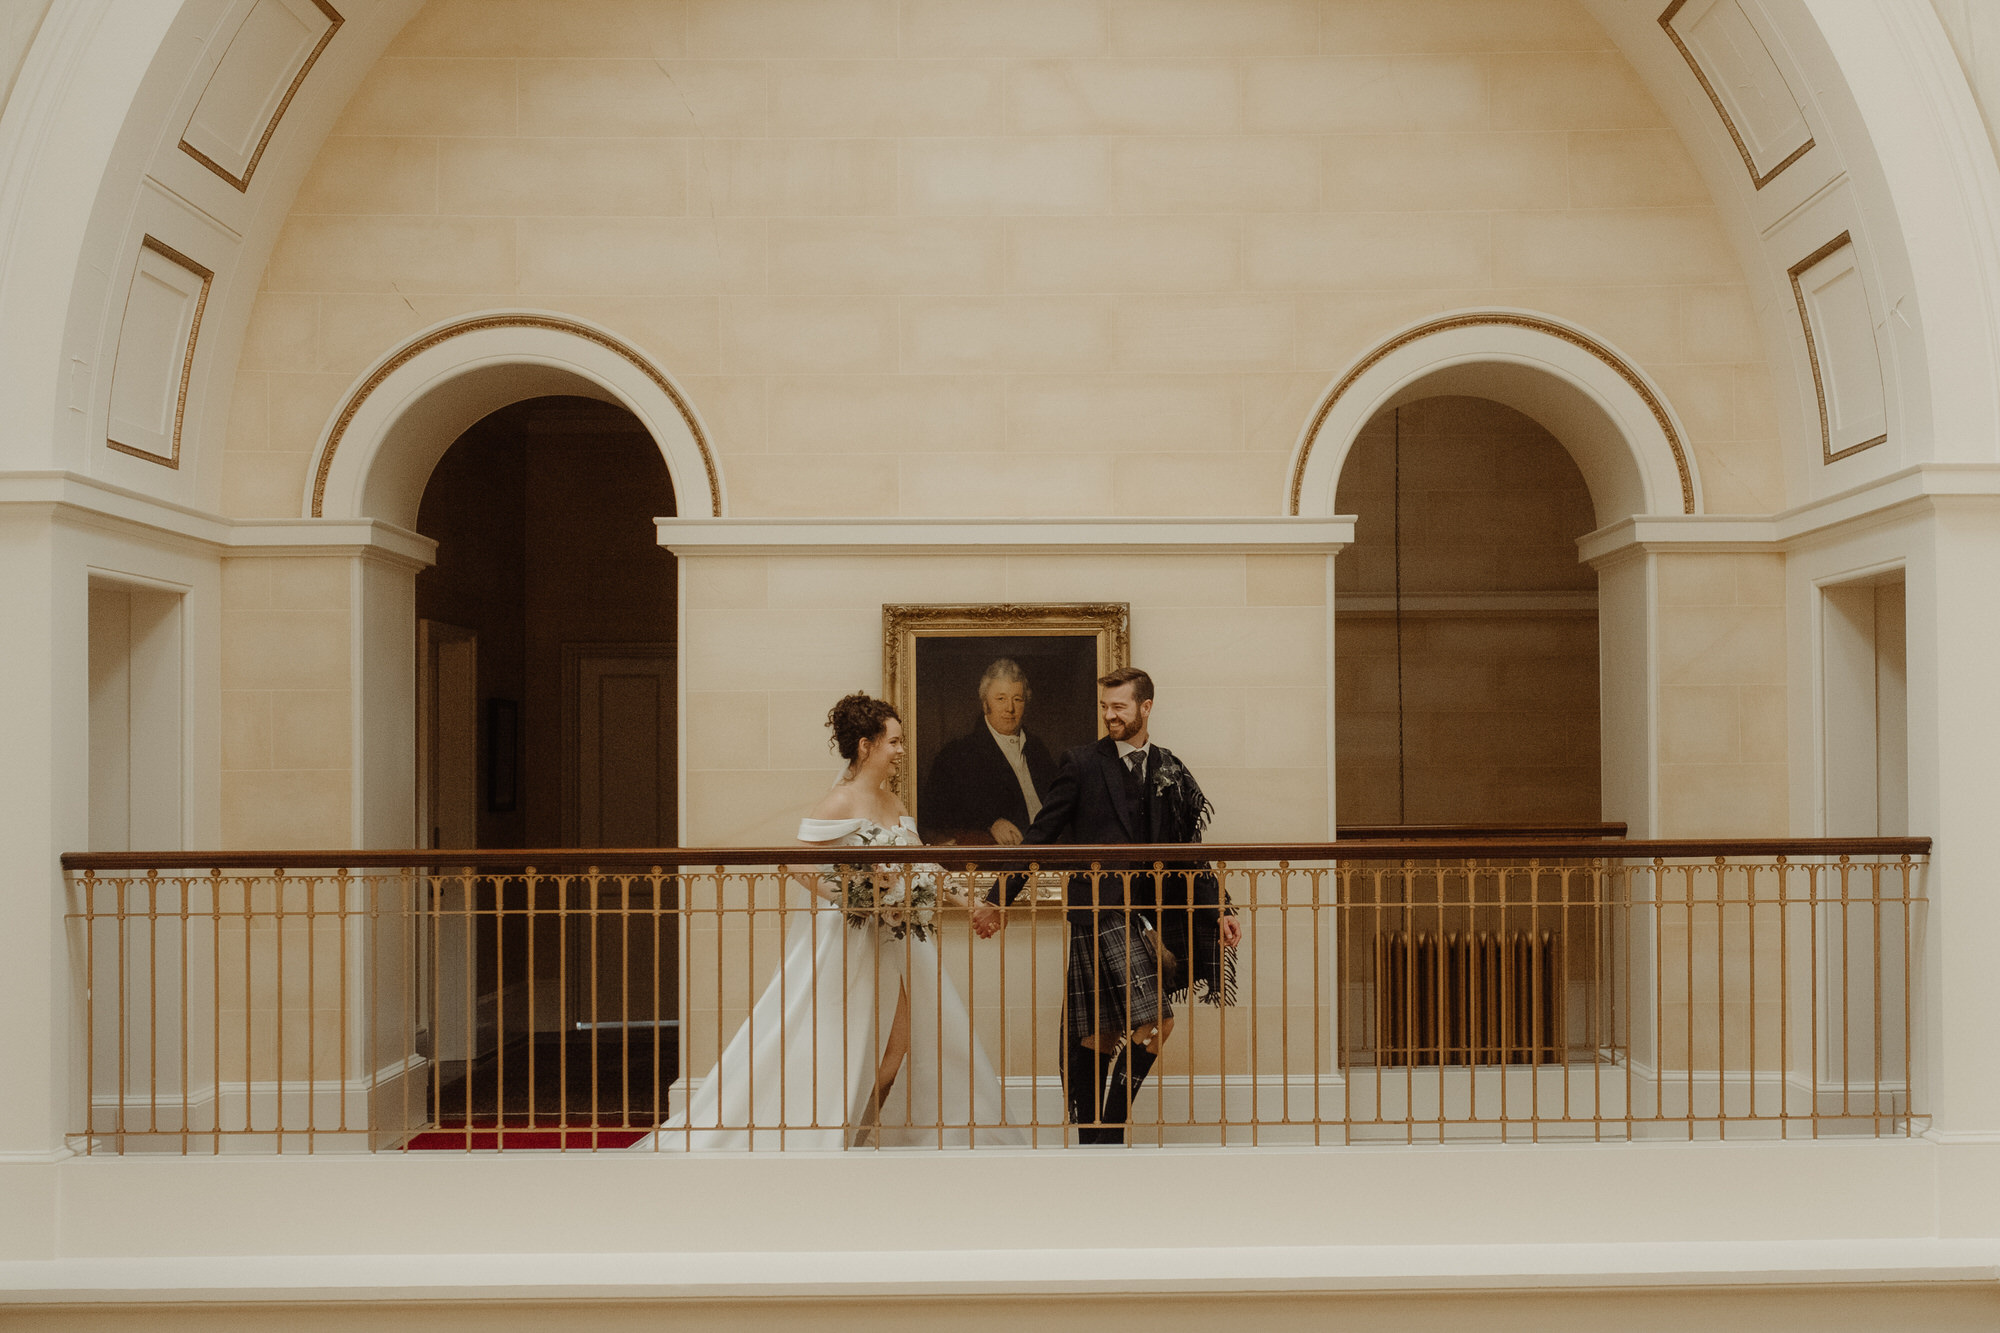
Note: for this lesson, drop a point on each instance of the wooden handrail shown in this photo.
(1059, 856)
(1438, 832)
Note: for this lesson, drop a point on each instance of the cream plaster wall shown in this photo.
(1237, 646)
(1720, 621)
(287, 702)
(984, 258)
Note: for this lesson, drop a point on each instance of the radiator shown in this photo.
(1468, 999)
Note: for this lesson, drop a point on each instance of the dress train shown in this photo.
(800, 1073)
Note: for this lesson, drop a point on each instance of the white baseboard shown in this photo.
(250, 1111)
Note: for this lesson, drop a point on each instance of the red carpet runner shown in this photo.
(485, 1136)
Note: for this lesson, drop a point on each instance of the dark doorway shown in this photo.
(549, 718)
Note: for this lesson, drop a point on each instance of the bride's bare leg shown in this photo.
(897, 1047)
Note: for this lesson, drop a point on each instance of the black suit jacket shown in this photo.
(1089, 802)
(971, 784)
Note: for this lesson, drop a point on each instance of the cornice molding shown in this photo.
(1908, 490)
(1003, 536)
(66, 495)
(370, 538)
(1681, 532)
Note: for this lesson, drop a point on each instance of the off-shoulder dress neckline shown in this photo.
(829, 829)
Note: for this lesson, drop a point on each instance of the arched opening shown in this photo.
(379, 449)
(1622, 440)
(1467, 693)
(1466, 688)
(548, 717)
(1616, 426)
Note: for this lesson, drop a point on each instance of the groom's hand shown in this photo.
(987, 920)
(1005, 832)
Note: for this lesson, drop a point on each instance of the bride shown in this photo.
(860, 1003)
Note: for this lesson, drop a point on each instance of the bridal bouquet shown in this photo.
(901, 899)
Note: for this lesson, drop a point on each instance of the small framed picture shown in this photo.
(503, 754)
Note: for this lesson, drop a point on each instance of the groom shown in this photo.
(1136, 937)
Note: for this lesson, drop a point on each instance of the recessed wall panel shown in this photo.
(1758, 107)
(269, 57)
(1841, 346)
(156, 341)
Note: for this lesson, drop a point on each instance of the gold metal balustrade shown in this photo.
(1414, 989)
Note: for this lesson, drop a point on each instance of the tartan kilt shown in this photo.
(1113, 981)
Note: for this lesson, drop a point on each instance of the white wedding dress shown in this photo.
(800, 1073)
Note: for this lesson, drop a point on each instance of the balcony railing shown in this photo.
(1428, 989)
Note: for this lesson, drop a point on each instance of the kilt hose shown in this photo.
(1113, 984)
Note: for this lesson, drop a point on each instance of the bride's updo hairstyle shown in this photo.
(857, 718)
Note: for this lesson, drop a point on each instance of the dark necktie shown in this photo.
(1135, 785)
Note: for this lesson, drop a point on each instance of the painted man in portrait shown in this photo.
(987, 786)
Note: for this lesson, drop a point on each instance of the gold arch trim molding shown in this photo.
(1498, 320)
(480, 324)
(242, 183)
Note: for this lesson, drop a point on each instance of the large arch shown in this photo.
(1626, 442)
(1620, 430)
(377, 451)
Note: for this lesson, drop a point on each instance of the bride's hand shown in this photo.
(987, 921)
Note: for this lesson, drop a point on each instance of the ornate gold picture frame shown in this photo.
(933, 658)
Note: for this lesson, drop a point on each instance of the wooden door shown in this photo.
(620, 789)
(448, 731)
(464, 1020)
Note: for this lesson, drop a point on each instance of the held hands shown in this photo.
(987, 920)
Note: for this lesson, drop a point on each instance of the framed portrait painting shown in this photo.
(990, 695)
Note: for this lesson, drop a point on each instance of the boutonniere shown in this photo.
(1172, 784)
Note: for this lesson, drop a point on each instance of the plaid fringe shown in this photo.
(1204, 993)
